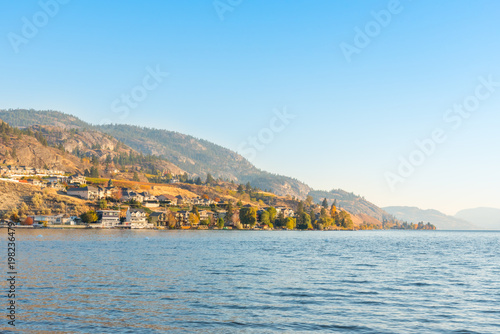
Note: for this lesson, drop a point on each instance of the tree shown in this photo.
(290, 223)
(103, 204)
(345, 220)
(89, 217)
(333, 209)
(300, 208)
(37, 200)
(280, 221)
(324, 219)
(14, 216)
(229, 211)
(305, 222)
(172, 222)
(309, 200)
(110, 183)
(325, 203)
(248, 216)
(195, 211)
(248, 187)
(135, 177)
(220, 223)
(197, 181)
(272, 214)
(210, 179)
(264, 218)
(240, 190)
(193, 219)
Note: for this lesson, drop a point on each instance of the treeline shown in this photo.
(6, 130)
(410, 226)
(29, 117)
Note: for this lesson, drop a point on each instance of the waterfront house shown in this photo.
(108, 218)
(182, 217)
(47, 219)
(137, 218)
(159, 219)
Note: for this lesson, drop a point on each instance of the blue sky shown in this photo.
(353, 119)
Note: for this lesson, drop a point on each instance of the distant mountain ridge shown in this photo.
(439, 219)
(484, 218)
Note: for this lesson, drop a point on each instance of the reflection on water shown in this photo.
(91, 281)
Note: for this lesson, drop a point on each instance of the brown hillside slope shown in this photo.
(14, 195)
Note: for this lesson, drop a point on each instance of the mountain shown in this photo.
(439, 219)
(484, 218)
(196, 156)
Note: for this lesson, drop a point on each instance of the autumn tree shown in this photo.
(264, 218)
(195, 211)
(290, 223)
(89, 217)
(193, 219)
(220, 223)
(248, 216)
(272, 214)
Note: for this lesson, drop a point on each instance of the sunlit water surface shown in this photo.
(91, 281)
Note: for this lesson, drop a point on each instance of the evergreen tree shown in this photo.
(210, 179)
(325, 203)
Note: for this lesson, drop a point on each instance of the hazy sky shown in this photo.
(363, 80)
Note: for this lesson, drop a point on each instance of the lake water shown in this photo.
(107, 281)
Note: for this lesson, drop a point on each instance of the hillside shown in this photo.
(27, 199)
(86, 142)
(196, 156)
(439, 219)
(18, 148)
(484, 218)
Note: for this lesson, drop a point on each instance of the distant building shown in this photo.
(34, 182)
(76, 179)
(88, 192)
(48, 219)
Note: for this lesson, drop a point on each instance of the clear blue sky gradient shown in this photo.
(353, 119)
